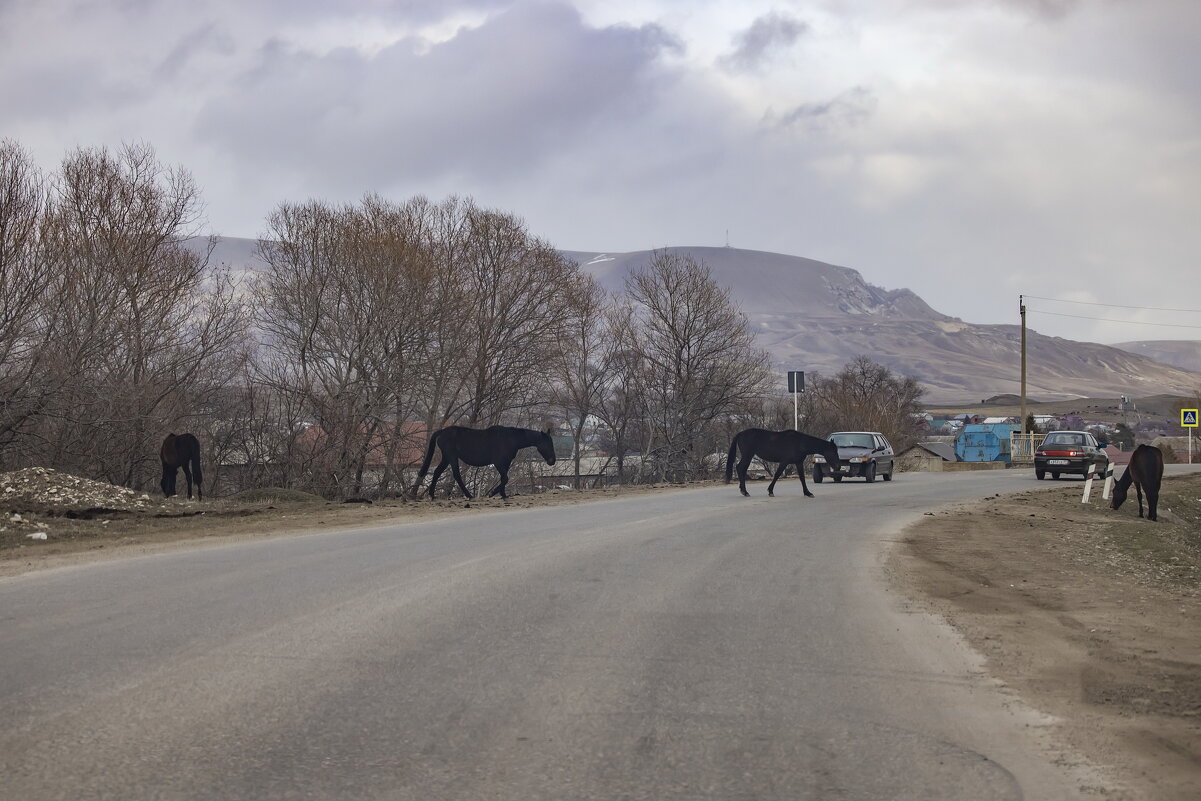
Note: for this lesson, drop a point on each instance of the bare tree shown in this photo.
(700, 362)
(585, 351)
(143, 328)
(517, 286)
(864, 396)
(26, 316)
(620, 403)
(329, 304)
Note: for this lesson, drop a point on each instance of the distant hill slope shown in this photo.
(815, 317)
(1182, 353)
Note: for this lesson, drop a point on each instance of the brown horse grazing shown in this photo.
(181, 450)
(497, 445)
(1145, 471)
(786, 447)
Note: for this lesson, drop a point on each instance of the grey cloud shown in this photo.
(767, 34)
(67, 88)
(848, 108)
(207, 38)
(492, 101)
(1047, 9)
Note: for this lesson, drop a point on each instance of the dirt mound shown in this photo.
(39, 504)
(40, 489)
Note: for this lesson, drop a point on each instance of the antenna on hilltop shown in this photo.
(727, 237)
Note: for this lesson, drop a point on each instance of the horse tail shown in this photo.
(730, 459)
(429, 455)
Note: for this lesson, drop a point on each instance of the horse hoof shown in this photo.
(809, 495)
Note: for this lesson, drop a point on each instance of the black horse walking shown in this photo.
(786, 447)
(181, 450)
(1145, 471)
(496, 445)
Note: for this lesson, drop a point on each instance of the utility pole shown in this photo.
(1022, 309)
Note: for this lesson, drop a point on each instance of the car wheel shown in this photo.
(817, 475)
(887, 476)
(870, 473)
(1055, 474)
(1040, 474)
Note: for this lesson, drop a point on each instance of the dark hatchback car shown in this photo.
(861, 454)
(1069, 452)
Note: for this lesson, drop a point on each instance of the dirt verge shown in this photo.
(1089, 614)
(51, 519)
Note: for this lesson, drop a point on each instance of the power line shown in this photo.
(1111, 320)
(1112, 306)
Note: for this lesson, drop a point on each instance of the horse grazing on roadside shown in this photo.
(786, 447)
(496, 445)
(181, 450)
(1145, 471)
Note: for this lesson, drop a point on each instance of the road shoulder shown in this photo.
(1090, 615)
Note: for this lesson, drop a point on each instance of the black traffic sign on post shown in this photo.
(796, 385)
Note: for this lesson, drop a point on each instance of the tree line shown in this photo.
(369, 325)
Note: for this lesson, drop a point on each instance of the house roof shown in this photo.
(409, 451)
(940, 449)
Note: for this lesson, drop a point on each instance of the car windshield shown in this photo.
(852, 440)
(1064, 439)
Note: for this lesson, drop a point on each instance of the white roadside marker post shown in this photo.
(1088, 483)
(1108, 481)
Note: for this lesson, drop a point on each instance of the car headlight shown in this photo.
(857, 459)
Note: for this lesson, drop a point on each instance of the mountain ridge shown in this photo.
(814, 316)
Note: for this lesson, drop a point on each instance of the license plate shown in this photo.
(846, 468)
(1058, 461)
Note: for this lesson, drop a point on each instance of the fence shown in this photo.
(1023, 446)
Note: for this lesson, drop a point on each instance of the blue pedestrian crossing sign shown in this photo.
(1188, 418)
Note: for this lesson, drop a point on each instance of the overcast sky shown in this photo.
(970, 150)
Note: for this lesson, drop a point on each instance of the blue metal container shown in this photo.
(985, 442)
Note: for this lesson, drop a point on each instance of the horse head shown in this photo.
(1120, 492)
(546, 445)
(830, 451)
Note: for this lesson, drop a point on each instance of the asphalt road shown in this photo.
(684, 645)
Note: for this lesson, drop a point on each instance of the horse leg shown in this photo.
(454, 468)
(187, 472)
(800, 469)
(167, 482)
(502, 467)
(1139, 489)
(1152, 504)
(771, 488)
(438, 471)
(743, 464)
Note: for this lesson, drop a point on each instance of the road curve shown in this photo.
(692, 644)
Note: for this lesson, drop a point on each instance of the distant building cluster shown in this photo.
(939, 434)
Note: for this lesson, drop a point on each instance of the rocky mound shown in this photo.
(39, 489)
